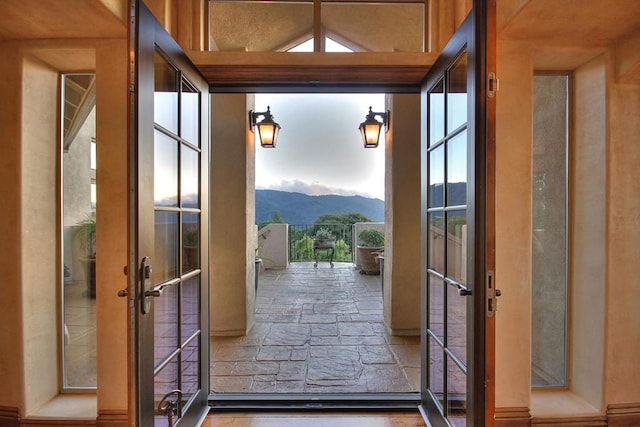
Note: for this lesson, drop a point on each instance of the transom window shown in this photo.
(258, 26)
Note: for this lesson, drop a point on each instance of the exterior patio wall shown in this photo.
(273, 244)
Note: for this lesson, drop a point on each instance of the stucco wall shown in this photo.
(112, 236)
(39, 233)
(513, 225)
(623, 245)
(588, 231)
(11, 394)
(402, 217)
(232, 216)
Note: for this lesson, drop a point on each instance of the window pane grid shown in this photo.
(176, 335)
(447, 203)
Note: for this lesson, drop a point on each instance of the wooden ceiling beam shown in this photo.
(288, 68)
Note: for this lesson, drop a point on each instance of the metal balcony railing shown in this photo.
(301, 242)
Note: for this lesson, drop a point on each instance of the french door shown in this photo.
(170, 105)
(457, 292)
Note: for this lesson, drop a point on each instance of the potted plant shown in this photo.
(190, 247)
(323, 238)
(370, 245)
(85, 232)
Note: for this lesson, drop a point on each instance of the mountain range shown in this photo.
(298, 208)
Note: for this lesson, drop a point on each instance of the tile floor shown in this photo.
(317, 330)
(80, 336)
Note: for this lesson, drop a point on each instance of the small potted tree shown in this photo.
(370, 245)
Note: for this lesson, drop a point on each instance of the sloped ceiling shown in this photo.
(58, 19)
(254, 26)
(588, 23)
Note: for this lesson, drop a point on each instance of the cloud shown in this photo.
(312, 189)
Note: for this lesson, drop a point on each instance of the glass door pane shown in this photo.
(453, 367)
(172, 356)
(447, 188)
(176, 306)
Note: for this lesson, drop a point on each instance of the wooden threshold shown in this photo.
(288, 69)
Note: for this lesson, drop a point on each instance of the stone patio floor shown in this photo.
(317, 330)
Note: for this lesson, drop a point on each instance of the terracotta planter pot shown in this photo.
(368, 259)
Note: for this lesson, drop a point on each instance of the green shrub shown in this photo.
(371, 238)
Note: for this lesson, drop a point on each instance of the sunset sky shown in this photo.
(319, 149)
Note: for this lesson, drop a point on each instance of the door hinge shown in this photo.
(493, 85)
(492, 295)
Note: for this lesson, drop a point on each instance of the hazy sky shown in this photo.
(319, 149)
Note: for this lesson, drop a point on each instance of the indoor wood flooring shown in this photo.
(387, 419)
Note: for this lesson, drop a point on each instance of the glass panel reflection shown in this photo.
(457, 94)
(78, 260)
(457, 245)
(457, 170)
(165, 256)
(457, 323)
(190, 369)
(436, 177)
(550, 235)
(436, 371)
(436, 241)
(436, 306)
(190, 114)
(165, 177)
(190, 307)
(189, 183)
(165, 110)
(249, 26)
(456, 394)
(190, 242)
(165, 330)
(373, 27)
(164, 382)
(436, 114)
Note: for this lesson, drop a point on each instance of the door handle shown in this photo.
(158, 290)
(145, 279)
(492, 295)
(170, 407)
(463, 291)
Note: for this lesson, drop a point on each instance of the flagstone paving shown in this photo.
(317, 330)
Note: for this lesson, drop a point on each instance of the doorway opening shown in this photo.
(319, 328)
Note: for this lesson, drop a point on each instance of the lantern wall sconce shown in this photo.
(267, 129)
(370, 128)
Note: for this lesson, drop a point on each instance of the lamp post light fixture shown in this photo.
(370, 128)
(267, 128)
